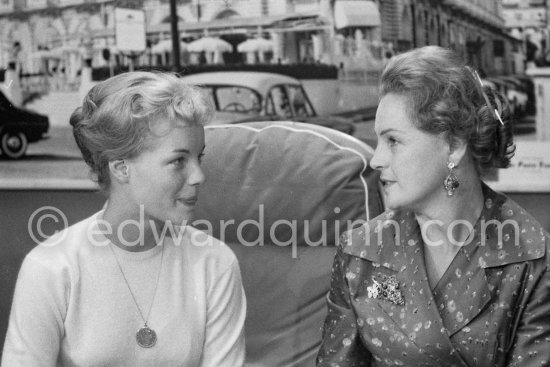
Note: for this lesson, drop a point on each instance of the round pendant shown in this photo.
(146, 338)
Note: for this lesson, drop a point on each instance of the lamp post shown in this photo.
(175, 36)
(199, 10)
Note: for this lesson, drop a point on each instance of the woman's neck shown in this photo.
(128, 229)
(450, 221)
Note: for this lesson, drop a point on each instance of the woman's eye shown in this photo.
(178, 162)
(392, 141)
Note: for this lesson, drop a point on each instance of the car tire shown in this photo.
(13, 144)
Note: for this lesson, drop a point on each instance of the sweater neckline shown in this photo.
(100, 238)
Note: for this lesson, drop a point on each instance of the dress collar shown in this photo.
(505, 234)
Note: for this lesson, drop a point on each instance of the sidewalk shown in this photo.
(51, 164)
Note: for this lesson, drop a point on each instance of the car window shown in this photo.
(236, 99)
(4, 102)
(300, 103)
(210, 93)
(278, 103)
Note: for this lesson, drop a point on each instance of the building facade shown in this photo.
(528, 20)
(57, 36)
(475, 28)
(301, 30)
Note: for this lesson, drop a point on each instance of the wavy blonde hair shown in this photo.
(119, 114)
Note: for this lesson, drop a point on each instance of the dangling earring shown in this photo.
(451, 181)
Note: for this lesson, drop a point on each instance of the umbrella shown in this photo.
(209, 44)
(255, 45)
(45, 54)
(61, 50)
(166, 46)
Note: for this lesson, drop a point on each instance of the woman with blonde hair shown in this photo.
(133, 285)
(453, 273)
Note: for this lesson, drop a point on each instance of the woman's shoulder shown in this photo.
(65, 243)
(202, 248)
(511, 234)
(59, 255)
(375, 240)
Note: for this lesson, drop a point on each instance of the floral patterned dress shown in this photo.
(490, 308)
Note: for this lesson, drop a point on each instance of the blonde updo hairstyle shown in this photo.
(119, 114)
(445, 97)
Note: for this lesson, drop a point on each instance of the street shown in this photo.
(55, 158)
(58, 157)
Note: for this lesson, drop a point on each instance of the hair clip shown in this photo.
(476, 76)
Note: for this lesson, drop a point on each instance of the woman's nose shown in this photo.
(376, 161)
(196, 176)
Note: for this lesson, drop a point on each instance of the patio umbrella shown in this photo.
(209, 44)
(62, 50)
(255, 45)
(46, 54)
(166, 46)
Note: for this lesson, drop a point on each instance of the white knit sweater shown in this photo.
(72, 306)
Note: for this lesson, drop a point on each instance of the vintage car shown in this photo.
(18, 128)
(244, 96)
(513, 90)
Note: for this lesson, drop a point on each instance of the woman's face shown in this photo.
(413, 163)
(165, 177)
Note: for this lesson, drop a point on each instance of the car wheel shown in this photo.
(13, 144)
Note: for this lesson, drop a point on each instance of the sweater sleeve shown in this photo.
(36, 319)
(224, 340)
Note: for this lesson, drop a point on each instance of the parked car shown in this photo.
(513, 91)
(524, 84)
(18, 128)
(245, 96)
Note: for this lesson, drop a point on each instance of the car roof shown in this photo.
(259, 81)
(497, 80)
(489, 83)
(515, 81)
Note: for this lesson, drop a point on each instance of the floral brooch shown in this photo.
(387, 290)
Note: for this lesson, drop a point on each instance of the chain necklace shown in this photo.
(145, 337)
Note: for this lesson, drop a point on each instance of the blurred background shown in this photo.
(327, 56)
(313, 61)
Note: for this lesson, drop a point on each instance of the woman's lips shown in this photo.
(190, 201)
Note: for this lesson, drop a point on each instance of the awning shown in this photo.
(229, 25)
(300, 23)
(356, 13)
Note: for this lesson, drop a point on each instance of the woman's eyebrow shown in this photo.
(385, 131)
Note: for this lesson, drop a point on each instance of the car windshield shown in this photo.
(293, 104)
(235, 98)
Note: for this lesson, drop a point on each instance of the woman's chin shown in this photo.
(394, 204)
(183, 218)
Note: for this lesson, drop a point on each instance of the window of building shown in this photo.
(498, 48)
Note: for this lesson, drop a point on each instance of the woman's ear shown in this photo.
(119, 170)
(457, 151)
